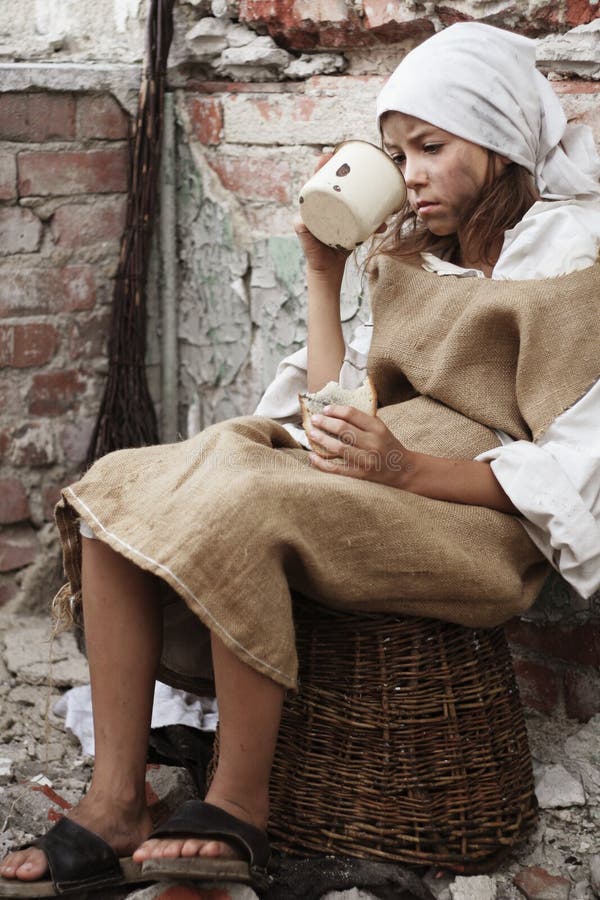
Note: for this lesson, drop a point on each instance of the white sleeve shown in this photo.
(280, 399)
(529, 249)
(555, 484)
(354, 367)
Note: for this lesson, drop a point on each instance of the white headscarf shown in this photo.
(480, 83)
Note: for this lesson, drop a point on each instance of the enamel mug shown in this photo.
(349, 197)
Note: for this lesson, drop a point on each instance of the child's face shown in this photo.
(444, 174)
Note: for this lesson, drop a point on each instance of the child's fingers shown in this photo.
(334, 445)
(299, 226)
(334, 415)
(336, 466)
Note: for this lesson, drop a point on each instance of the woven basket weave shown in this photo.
(406, 743)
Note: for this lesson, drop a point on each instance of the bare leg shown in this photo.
(123, 622)
(249, 715)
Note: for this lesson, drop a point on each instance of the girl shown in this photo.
(482, 449)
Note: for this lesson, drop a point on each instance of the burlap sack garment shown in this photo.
(236, 517)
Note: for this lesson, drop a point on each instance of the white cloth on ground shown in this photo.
(481, 83)
(171, 707)
(563, 519)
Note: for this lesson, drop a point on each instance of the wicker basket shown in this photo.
(406, 743)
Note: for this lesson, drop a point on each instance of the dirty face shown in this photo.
(444, 174)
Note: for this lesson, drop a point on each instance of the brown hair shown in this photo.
(503, 201)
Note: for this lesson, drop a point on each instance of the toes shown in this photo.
(146, 850)
(192, 847)
(171, 849)
(26, 865)
(165, 848)
(159, 848)
(217, 849)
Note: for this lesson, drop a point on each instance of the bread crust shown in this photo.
(365, 400)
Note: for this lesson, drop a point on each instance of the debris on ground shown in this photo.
(43, 772)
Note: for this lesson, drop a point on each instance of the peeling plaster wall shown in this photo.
(242, 294)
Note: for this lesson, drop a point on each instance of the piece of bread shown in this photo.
(363, 398)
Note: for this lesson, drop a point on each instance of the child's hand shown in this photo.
(359, 445)
(319, 257)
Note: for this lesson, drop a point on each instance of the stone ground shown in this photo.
(43, 772)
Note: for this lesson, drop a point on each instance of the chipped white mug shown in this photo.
(349, 197)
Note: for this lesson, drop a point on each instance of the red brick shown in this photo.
(580, 12)
(28, 345)
(20, 231)
(547, 18)
(37, 117)
(580, 102)
(539, 686)
(81, 224)
(582, 694)
(40, 291)
(449, 16)
(254, 179)
(100, 116)
(54, 393)
(393, 22)
(206, 118)
(8, 589)
(33, 444)
(18, 547)
(8, 176)
(34, 344)
(580, 644)
(56, 172)
(78, 287)
(574, 86)
(14, 505)
(537, 884)
(280, 19)
(301, 26)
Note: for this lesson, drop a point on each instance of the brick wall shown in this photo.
(260, 88)
(63, 178)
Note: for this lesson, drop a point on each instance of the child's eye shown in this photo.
(431, 148)
(399, 158)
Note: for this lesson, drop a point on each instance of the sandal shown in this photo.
(78, 860)
(197, 819)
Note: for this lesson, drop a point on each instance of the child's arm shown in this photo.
(454, 480)
(366, 448)
(324, 273)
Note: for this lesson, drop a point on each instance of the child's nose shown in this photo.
(413, 172)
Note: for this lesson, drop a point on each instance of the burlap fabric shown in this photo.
(235, 518)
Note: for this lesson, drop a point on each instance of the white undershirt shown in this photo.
(554, 481)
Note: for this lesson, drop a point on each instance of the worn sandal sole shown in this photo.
(195, 869)
(205, 871)
(131, 872)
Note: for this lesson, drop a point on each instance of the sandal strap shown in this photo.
(78, 857)
(196, 818)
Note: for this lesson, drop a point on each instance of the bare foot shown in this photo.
(174, 848)
(121, 829)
